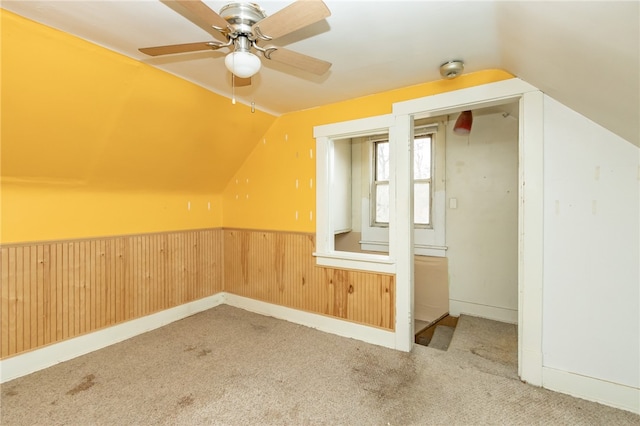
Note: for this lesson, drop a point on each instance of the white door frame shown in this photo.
(530, 213)
(399, 261)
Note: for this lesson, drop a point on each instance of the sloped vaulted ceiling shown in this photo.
(584, 54)
(79, 116)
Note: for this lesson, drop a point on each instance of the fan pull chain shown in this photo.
(233, 89)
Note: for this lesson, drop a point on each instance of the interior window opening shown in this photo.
(364, 181)
(356, 177)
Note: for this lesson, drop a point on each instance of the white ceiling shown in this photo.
(584, 54)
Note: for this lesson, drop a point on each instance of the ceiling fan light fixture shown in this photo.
(240, 25)
(242, 64)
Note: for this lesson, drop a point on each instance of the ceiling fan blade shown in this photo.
(180, 48)
(204, 12)
(293, 17)
(241, 82)
(298, 60)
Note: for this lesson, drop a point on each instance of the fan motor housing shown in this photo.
(242, 16)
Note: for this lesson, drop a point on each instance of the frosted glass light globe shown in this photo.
(242, 64)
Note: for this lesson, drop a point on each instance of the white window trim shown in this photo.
(325, 253)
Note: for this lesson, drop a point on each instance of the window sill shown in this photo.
(435, 251)
(418, 249)
(359, 261)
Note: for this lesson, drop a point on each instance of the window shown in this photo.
(422, 167)
(428, 190)
(381, 183)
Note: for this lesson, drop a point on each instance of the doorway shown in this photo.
(479, 275)
(400, 261)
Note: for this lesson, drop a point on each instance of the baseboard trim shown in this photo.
(589, 388)
(457, 307)
(38, 359)
(592, 389)
(323, 323)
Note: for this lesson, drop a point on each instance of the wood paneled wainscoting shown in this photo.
(53, 291)
(279, 268)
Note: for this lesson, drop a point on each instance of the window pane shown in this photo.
(382, 204)
(422, 158)
(382, 161)
(421, 203)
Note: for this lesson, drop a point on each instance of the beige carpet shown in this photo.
(228, 366)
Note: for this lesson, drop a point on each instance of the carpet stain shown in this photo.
(204, 352)
(259, 327)
(389, 382)
(385, 381)
(11, 392)
(186, 401)
(189, 348)
(87, 383)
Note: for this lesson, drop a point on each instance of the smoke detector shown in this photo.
(451, 69)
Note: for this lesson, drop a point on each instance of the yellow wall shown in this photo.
(275, 187)
(45, 212)
(94, 143)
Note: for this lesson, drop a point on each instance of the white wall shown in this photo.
(482, 230)
(591, 293)
(341, 185)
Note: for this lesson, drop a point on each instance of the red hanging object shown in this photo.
(463, 123)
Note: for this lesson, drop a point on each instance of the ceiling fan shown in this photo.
(241, 26)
